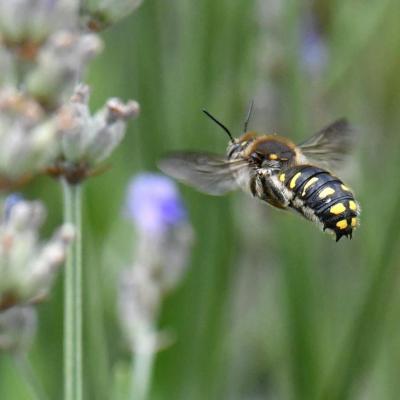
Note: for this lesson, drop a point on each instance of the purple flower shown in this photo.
(154, 204)
(314, 52)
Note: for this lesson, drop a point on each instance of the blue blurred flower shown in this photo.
(154, 204)
(162, 250)
(314, 52)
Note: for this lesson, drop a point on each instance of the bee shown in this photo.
(275, 170)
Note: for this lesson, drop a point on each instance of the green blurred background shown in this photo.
(270, 307)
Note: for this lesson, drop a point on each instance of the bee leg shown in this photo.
(271, 190)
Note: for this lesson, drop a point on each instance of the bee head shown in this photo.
(238, 146)
(271, 150)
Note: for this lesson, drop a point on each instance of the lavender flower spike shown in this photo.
(164, 239)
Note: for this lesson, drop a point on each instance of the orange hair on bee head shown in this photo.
(247, 136)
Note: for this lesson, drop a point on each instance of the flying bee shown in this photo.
(279, 172)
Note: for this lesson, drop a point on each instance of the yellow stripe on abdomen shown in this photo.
(309, 184)
(292, 184)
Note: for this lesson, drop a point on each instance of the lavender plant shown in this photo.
(164, 237)
(46, 126)
(28, 267)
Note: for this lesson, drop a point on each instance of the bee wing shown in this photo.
(208, 173)
(330, 146)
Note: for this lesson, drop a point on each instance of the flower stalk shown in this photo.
(143, 361)
(73, 296)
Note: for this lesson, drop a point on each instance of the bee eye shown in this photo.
(234, 148)
(255, 156)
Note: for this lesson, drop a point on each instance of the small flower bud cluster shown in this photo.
(164, 238)
(43, 54)
(87, 140)
(28, 266)
(59, 64)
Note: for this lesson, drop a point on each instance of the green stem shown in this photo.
(73, 297)
(143, 361)
(26, 370)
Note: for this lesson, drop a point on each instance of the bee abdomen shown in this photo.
(322, 198)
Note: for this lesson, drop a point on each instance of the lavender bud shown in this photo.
(108, 137)
(17, 107)
(117, 110)
(18, 327)
(109, 127)
(90, 139)
(60, 62)
(36, 151)
(75, 122)
(49, 257)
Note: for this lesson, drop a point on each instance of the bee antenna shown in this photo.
(249, 114)
(220, 124)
